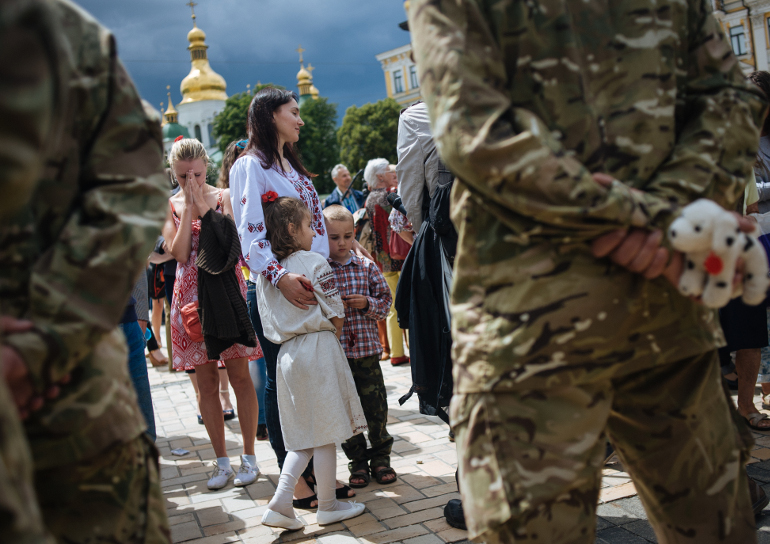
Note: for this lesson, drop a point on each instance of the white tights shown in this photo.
(325, 466)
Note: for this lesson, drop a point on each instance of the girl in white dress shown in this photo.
(317, 398)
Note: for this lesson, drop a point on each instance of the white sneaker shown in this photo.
(327, 518)
(274, 519)
(220, 477)
(247, 474)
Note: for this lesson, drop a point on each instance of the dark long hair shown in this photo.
(263, 136)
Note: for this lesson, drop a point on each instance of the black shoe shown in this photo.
(453, 512)
(759, 498)
(451, 435)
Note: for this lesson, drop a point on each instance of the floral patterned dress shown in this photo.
(186, 353)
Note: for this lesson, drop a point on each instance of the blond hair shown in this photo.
(187, 149)
(335, 212)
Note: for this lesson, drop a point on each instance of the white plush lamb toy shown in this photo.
(712, 242)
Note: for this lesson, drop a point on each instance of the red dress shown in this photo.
(186, 353)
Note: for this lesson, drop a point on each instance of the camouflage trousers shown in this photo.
(370, 386)
(20, 519)
(531, 460)
(114, 498)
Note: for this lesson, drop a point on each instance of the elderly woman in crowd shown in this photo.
(381, 177)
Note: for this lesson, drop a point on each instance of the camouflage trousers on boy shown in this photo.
(531, 460)
(20, 520)
(370, 385)
(114, 498)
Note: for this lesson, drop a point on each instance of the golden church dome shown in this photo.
(314, 92)
(202, 83)
(303, 76)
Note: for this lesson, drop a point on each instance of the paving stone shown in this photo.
(614, 493)
(453, 535)
(618, 535)
(337, 538)
(424, 539)
(401, 533)
(185, 531)
(423, 504)
(417, 517)
(614, 514)
(367, 528)
(211, 516)
(641, 528)
(216, 539)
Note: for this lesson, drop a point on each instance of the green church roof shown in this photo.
(174, 130)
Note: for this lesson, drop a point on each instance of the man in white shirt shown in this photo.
(417, 165)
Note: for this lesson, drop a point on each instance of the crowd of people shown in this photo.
(516, 251)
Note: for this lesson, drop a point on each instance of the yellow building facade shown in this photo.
(746, 23)
(401, 80)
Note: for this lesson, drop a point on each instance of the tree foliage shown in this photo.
(369, 132)
(318, 141)
(230, 123)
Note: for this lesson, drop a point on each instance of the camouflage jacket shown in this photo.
(527, 99)
(70, 257)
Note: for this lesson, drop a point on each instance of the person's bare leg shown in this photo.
(224, 389)
(246, 397)
(747, 363)
(194, 381)
(157, 319)
(211, 408)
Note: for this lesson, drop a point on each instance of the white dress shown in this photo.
(317, 398)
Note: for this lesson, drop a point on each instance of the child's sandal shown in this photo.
(385, 471)
(360, 475)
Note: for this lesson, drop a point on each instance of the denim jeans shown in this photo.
(137, 367)
(258, 373)
(271, 394)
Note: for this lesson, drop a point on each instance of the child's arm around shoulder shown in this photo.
(379, 297)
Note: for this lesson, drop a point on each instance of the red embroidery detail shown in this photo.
(713, 264)
(262, 244)
(243, 201)
(260, 227)
(252, 227)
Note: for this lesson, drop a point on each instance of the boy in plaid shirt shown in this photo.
(367, 300)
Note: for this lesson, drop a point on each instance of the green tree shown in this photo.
(318, 141)
(230, 123)
(369, 132)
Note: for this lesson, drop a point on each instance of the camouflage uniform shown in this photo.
(68, 262)
(552, 346)
(27, 99)
(370, 385)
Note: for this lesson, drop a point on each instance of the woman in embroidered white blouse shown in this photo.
(271, 163)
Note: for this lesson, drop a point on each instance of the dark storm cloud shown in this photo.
(255, 40)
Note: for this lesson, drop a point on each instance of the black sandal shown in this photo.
(362, 474)
(342, 492)
(384, 471)
(304, 504)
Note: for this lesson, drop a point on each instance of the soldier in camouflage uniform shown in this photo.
(71, 252)
(27, 99)
(553, 347)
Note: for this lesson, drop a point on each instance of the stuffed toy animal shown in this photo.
(712, 242)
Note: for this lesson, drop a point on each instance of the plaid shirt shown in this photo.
(362, 277)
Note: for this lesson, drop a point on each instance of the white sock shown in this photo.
(293, 466)
(223, 463)
(251, 459)
(325, 466)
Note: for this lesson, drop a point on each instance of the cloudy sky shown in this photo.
(256, 40)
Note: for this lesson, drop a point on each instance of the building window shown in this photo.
(413, 83)
(210, 130)
(398, 81)
(738, 40)
(198, 134)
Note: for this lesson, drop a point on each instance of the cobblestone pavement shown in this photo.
(408, 511)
